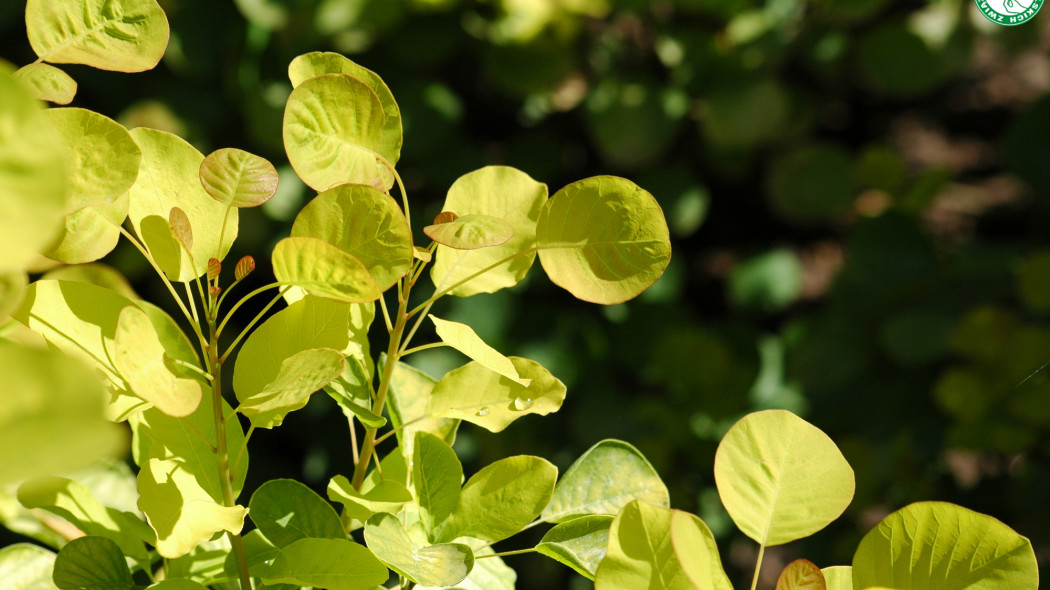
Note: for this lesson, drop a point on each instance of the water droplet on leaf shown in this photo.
(483, 412)
(522, 403)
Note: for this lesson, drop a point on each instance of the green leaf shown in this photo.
(56, 422)
(46, 82)
(640, 555)
(300, 376)
(323, 270)
(603, 480)
(24, 566)
(801, 574)
(501, 499)
(336, 564)
(768, 282)
(407, 404)
(317, 63)
(478, 395)
(170, 177)
(117, 35)
(89, 233)
(334, 133)
(579, 543)
(444, 564)
(205, 563)
(238, 178)
(385, 496)
(92, 563)
(781, 478)
(177, 584)
(182, 513)
(463, 338)
(12, 289)
(471, 232)
(103, 159)
(936, 545)
(286, 511)
(76, 504)
(603, 239)
(838, 577)
(504, 193)
(436, 476)
(33, 175)
(98, 274)
(697, 552)
(488, 574)
(140, 359)
(365, 223)
(259, 553)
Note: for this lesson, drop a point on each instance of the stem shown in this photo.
(758, 566)
(400, 185)
(447, 290)
(506, 553)
(386, 314)
(245, 299)
(254, 321)
(422, 347)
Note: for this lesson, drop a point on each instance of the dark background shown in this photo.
(857, 192)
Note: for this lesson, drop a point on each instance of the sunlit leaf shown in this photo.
(169, 177)
(103, 159)
(139, 357)
(463, 338)
(365, 223)
(490, 573)
(300, 375)
(436, 476)
(386, 496)
(238, 178)
(838, 577)
(603, 239)
(324, 270)
(504, 193)
(56, 422)
(181, 512)
(92, 563)
(333, 133)
(579, 543)
(317, 63)
(118, 35)
(24, 566)
(89, 233)
(781, 478)
(336, 564)
(500, 500)
(603, 480)
(478, 395)
(181, 228)
(801, 574)
(33, 175)
(286, 511)
(640, 555)
(697, 552)
(930, 545)
(407, 401)
(443, 564)
(471, 232)
(244, 267)
(46, 82)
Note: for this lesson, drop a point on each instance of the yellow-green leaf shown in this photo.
(801, 574)
(324, 270)
(365, 223)
(407, 405)
(140, 358)
(27, 567)
(335, 564)
(118, 35)
(497, 191)
(838, 577)
(436, 476)
(640, 555)
(169, 177)
(180, 511)
(238, 178)
(103, 159)
(579, 543)
(781, 478)
(443, 564)
(603, 239)
(463, 338)
(95, 273)
(386, 496)
(299, 376)
(286, 510)
(333, 133)
(697, 552)
(471, 232)
(89, 233)
(46, 82)
(476, 394)
(12, 289)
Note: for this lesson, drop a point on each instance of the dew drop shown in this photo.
(522, 403)
(483, 412)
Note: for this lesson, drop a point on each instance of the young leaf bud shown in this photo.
(244, 267)
(445, 217)
(180, 227)
(214, 292)
(214, 268)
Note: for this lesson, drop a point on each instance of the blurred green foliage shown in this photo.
(857, 191)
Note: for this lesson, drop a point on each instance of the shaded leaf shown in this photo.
(92, 563)
(324, 270)
(177, 584)
(244, 267)
(801, 574)
(697, 552)
(299, 376)
(46, 82)
(603, 239)
(286, 511)
(407, 401)
(24, 566)
(781, 478)
(88, 234)
(140, 358)
(579, 543)
(463, 338)
(436, 476)
(471, 232)
(385, 496)
(336, 564)
(443, 564)
(12, 289)
(117, 35)
(640, 555)
(603, 480)
(238, 178)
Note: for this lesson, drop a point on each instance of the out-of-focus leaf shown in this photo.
(24, 566)
(811, 184)
(769, 281)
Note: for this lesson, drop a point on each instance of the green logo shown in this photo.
(1009, 12)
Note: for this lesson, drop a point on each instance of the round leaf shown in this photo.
(579, 543)
(335, 564)
(801, 574)
(299, 376)
(118, 35)
(603, 239)
(104, 160)
(936, 545)
(640, 554)
(181, 228)
(697, 552)
(46, 82)
(324, 270)
(470, 232)
(139, 356)
(238, 178)
(781, 478)
(90, 233)
(444, 564)
(27, 567)
(364, 222)
(286, 511)
(333, 133)
(92, 563)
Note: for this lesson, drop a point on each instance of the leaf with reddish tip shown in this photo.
(801, 574)
(470, 232)
(445, 217)
(238, 178)
(214, 268)
(180, 227)
(244, 267)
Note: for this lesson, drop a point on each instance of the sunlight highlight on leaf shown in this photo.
(463, 338)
